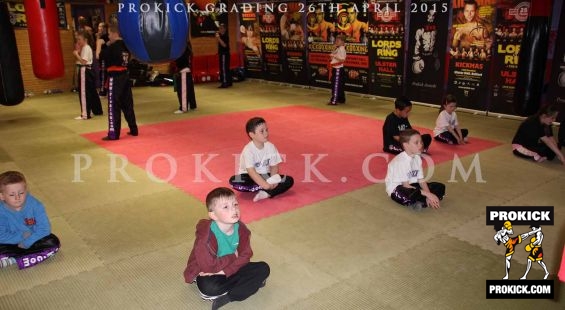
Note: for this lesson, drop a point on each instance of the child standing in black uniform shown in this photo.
(120, 98)
(224, 53)
(184, 82)
(396, 122)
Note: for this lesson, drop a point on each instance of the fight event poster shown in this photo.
(471, 43)
(386, 50)
(250, 40)
(18, 17)
(556, 89)
(511, 21)
(206, 17)
(351, 22)
(270, 47)
(321, 37)
(293, 35)
(429, 20)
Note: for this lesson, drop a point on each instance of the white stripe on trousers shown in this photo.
(82, 78)
(183, 91)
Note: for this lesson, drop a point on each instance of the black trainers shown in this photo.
(108, 139)
(133, 133)
(220, 302)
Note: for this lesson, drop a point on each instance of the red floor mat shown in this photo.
(344, 152)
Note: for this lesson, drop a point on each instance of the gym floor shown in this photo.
(125, 244)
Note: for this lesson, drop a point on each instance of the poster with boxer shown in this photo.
(386, 50)
(292, 22)
(471, 44)
(270, 47)
(509, 30)
(351, 22)
(250, 43)
(427, 39)
(321, 37)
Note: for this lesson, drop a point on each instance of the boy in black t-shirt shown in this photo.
(534, 138)
(396, 122)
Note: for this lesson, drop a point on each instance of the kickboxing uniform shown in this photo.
(536, 253)
(224, 57)
(120, 98)
(87, 95)
(406, 168)
(102, 74)
(511, 245)
(338, 76)
(441, 133)
(260, 160)
(184, 81)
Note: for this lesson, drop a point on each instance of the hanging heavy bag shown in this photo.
(44, 40)
(11, 83)
(154, 30)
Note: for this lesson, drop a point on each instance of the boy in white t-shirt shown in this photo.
(447, 128)
(259, 164)
(404, 180)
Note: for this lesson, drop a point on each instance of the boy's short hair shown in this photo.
(11, 177)
(450, 98)
(402, 103)
(253, 123)
(405, 135)
(215, 194)
(548, 110)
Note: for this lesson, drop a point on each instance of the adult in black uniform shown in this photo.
(120, 99)
(184, 82)
(224, 53)
(101, 41)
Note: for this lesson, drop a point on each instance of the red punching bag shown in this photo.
(44, 40)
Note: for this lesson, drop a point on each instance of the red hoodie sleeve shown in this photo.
(243, 250)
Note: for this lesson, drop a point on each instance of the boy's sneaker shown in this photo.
(206, 297)
(220, 302)
(179, 112)
(7, 261)
(417, 206)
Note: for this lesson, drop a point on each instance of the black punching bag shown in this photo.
(11, 83)
(533, 55)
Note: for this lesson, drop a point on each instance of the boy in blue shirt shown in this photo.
(25, 231)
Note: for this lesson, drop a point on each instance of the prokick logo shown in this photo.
(505, 221)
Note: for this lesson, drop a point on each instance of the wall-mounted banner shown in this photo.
(270, 48)
(471, 42)
(425, 72)
(293, 35)
(386, 50)
(206, 16)
(321, 37)
(511, 21)
(351, 22)
(250, 40)
(18, 16)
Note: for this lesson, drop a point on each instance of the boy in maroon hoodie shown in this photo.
(219, 260)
